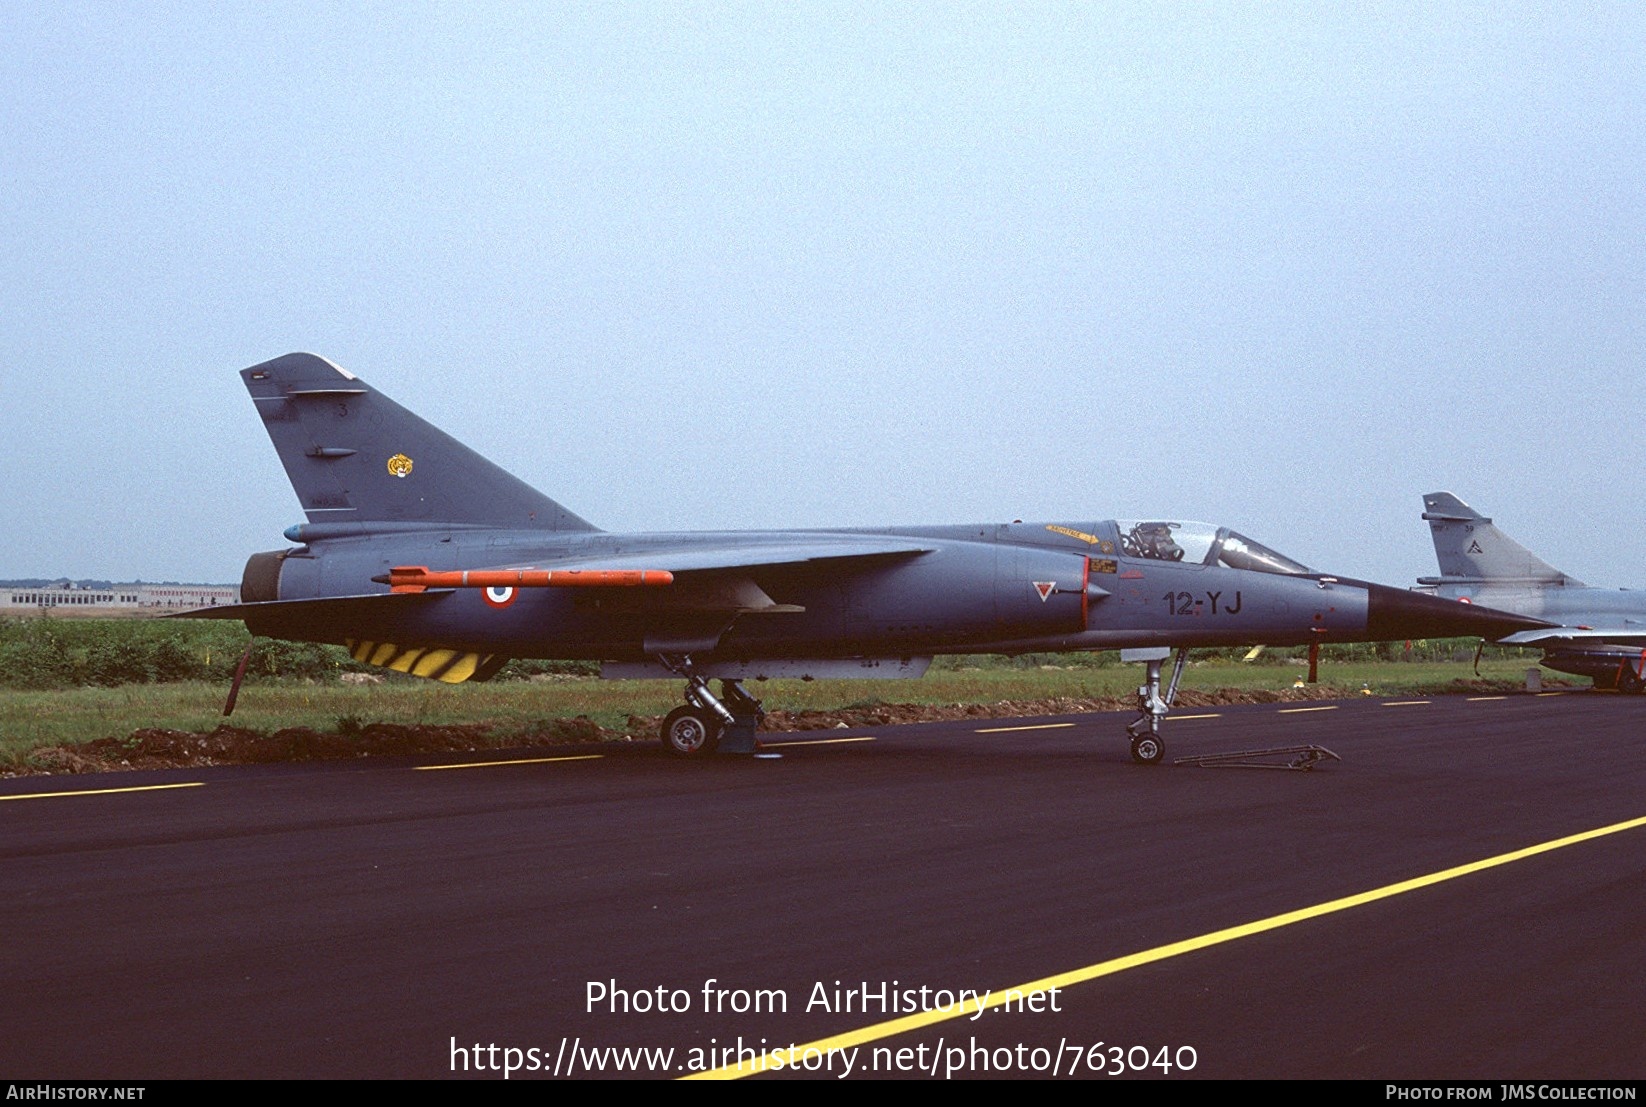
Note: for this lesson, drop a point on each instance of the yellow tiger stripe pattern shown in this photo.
(433, 663)
(403, 662)
(461, 669)
(447, 666)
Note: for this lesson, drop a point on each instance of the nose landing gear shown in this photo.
(1148, 747)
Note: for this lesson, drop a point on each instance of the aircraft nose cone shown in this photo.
(1396, 613)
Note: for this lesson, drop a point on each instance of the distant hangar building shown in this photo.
(116, 597)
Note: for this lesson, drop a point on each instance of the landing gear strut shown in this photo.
(1147, 745)
(707, 723)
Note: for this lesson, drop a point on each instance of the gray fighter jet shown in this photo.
(422, 556)
(1603, 630)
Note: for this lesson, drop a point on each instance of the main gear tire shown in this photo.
(690, 732)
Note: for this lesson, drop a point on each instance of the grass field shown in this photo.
(33, 719)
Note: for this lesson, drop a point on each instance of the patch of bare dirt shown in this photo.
(227, 745)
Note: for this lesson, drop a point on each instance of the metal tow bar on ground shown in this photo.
(1296, 758)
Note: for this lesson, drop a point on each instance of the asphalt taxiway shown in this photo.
(1460, 896)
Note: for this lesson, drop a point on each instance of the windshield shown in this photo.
(1240, 552)
(1200, 544)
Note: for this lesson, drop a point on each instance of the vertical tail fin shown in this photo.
(1469, 548)
(358, 460)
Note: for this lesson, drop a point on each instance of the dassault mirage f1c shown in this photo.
(422, 556)
(1603, 630)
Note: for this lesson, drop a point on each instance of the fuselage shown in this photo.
(987, 588)
(1569, 605)
(1583, 608)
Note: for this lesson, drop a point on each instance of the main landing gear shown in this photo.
(1629, 680)
(1147, 746)
(706, 722)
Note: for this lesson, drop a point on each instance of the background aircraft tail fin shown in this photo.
(356, 458)
(1469, 548)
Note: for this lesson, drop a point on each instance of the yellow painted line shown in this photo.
(1300, 710)
(892, 1027)
(815, 742)
(1541, 694)
(1005, 729)
(1185, 718)
(107, 791)
(521, 761)
(1480, 699)
(1405, 703)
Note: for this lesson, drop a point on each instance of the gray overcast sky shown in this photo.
(693, 266)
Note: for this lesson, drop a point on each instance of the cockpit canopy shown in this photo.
(1200, 544)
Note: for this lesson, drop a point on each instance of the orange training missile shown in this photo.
(418, 578)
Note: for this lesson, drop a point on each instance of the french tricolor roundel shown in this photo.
(499, 597)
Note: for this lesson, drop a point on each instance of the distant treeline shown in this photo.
(73, 653)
